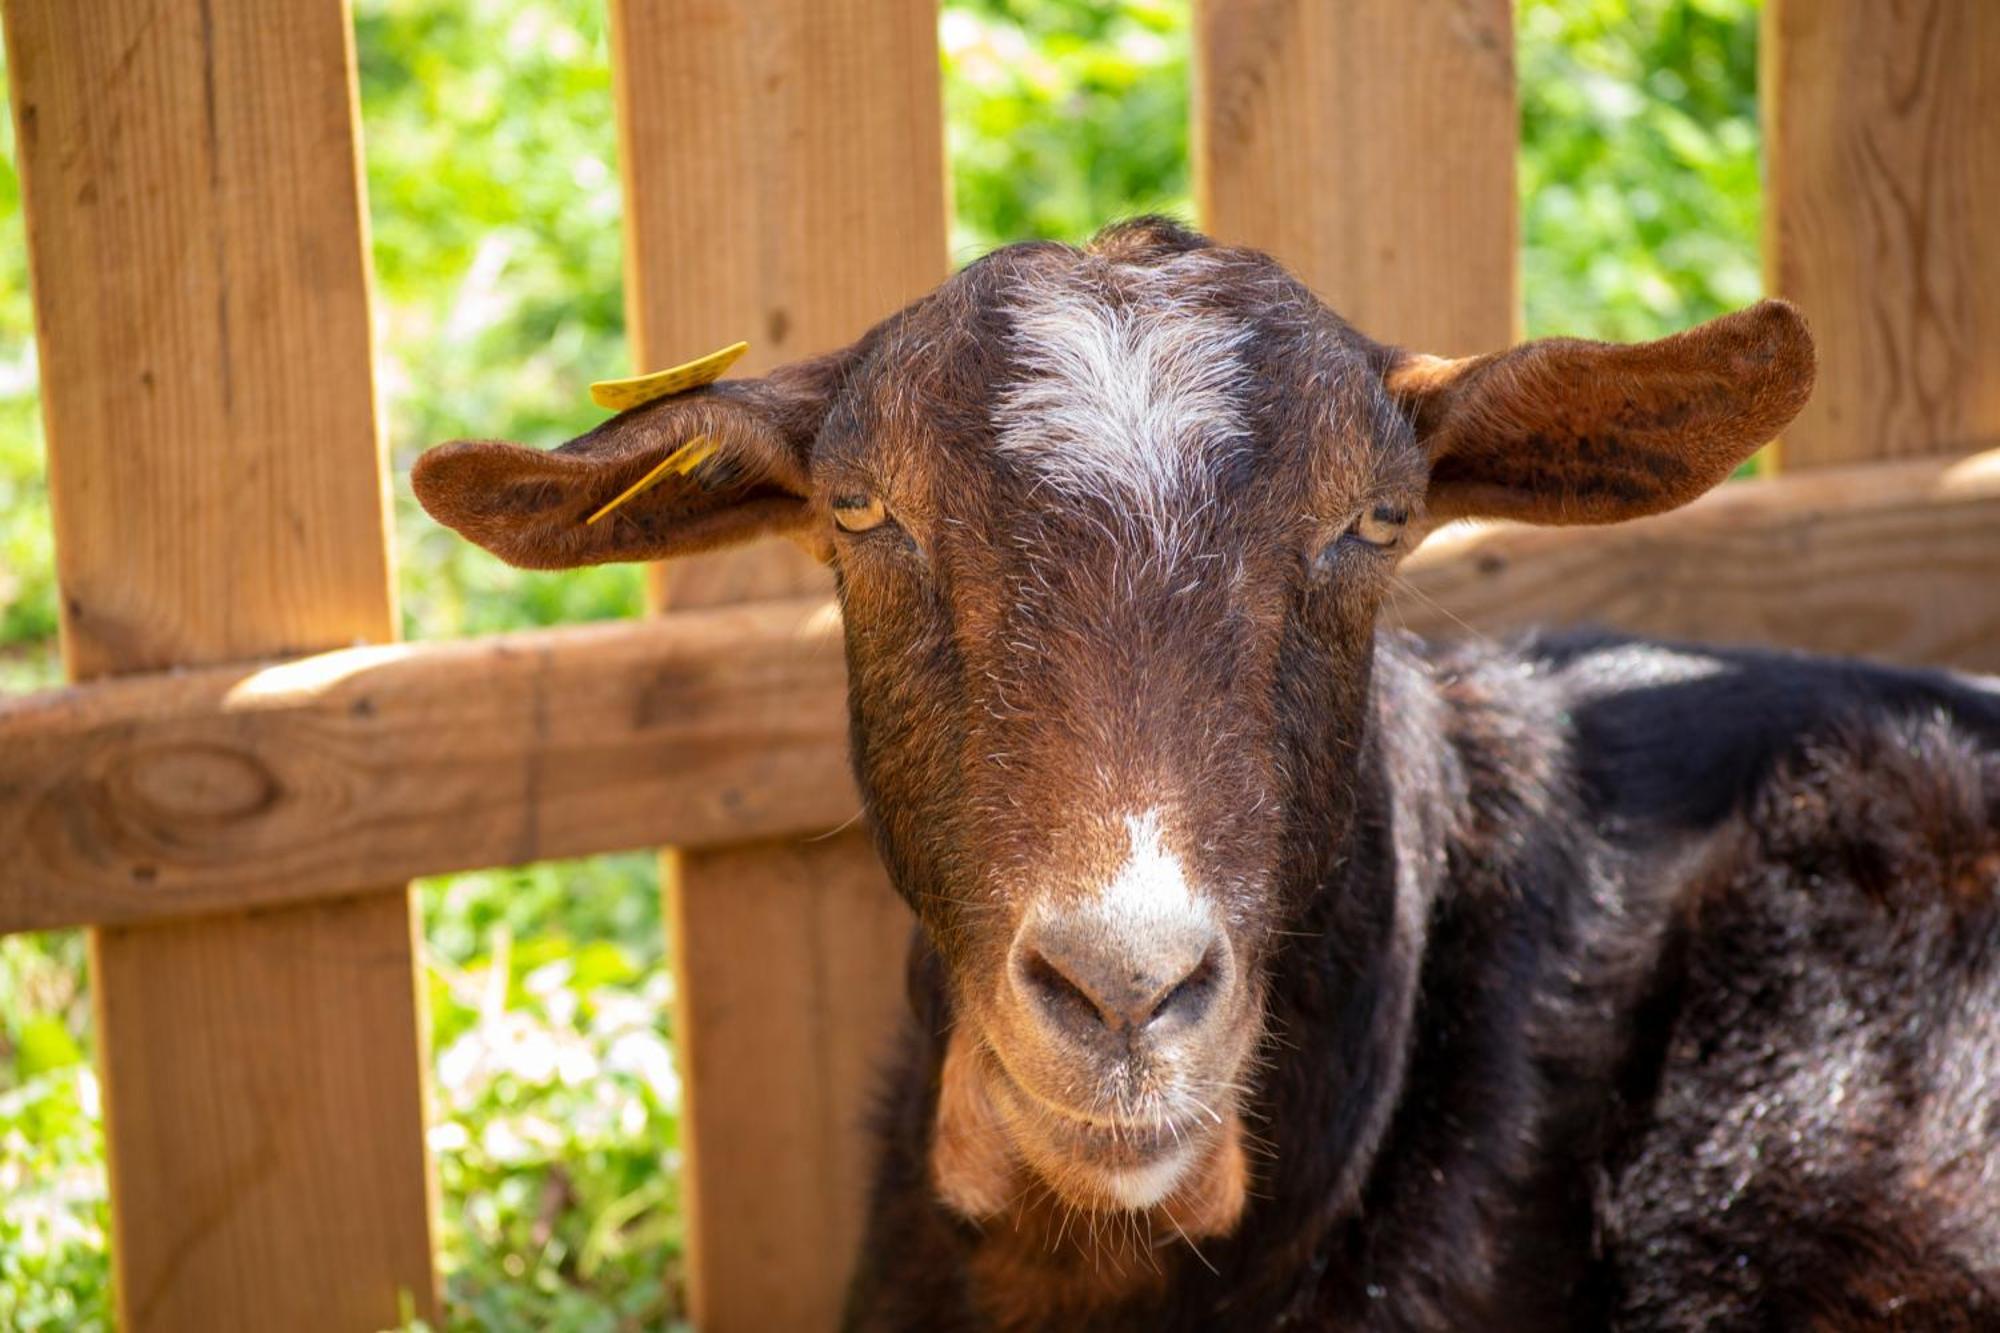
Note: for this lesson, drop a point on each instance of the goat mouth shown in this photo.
(992, 1127)
(1117, 1143)
(1131, 1157)
(1189, 1170)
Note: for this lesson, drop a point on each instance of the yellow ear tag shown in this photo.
(680, 462)
(624, 395)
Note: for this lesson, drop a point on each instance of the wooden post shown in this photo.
(783, 166)
(1369, 145)
(195, 220)
(1882, 130)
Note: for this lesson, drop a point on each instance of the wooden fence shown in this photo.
(239, 836)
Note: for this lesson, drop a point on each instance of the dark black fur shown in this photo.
(1707, 1028)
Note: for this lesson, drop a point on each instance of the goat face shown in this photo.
(1110, 529)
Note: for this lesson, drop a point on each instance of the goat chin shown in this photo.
(984, 1162)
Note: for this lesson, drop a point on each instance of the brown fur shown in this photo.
(1828, 1078)
(528, 506)
(1567, 431)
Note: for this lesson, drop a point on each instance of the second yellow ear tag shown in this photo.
(680, 462)
(624, 395)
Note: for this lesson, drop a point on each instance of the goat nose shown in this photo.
(1080, 977)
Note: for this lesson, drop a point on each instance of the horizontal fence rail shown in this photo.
(237, 787)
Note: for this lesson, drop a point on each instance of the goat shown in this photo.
(1276, 969)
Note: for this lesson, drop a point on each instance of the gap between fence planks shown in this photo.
(1882, 134)
(192, 194)
(304, 779)
(808, 204)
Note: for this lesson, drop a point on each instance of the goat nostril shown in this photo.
(1056, 991)
(1084, 991)
(1189, 998)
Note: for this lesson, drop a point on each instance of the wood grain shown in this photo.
(233, 787)
(1899, 562)
(313, 776)
(195, 227)
(784, 183)
(1369, 145)
(793, 999)
(784, 171)
(203, 317)
(1883, 141)
(265, 1137)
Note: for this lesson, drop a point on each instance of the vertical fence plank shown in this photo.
(1370, 146)
(783, 164)
(1882, 131)
(784, 174)
(194, 213)
(790, 960)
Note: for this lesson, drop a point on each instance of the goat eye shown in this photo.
(1380, 525)
(859, 513)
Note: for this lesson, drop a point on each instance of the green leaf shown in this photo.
(45, 1045)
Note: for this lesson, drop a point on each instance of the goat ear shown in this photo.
(1567, 431)
(720, 464)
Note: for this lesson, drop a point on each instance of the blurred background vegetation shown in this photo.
(493, 188)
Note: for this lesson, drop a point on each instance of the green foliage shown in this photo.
(53, 1274)
(494, 201)
(496, 220)
(1063, 116)
(53, 1209)
(558, 1145)
(27, 549)
(1638, 170)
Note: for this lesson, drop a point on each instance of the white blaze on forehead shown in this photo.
(1133, 401)
(1151, 888)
